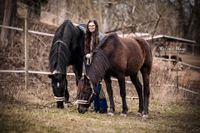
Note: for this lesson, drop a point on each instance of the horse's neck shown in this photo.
(60, 69)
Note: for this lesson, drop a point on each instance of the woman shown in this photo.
(93, 37)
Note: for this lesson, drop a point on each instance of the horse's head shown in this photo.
(58, 86)
(85, 95)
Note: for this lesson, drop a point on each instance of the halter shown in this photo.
(59, 99)
(86, 102)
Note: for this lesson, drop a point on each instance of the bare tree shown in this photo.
(8, 19)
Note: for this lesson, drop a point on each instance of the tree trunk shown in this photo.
(194, 27)
(8, 20)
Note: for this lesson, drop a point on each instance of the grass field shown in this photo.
(35, 118)
(33, 110)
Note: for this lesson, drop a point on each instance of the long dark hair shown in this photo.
(89, 35)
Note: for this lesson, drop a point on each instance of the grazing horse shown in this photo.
(67, 49)
(118, 57)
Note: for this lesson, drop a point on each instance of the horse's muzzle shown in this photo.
(82, 109)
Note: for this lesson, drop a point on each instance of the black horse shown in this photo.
(67, 49)
(118, 57)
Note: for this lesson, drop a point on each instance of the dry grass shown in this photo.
(33, 110)
(29, 117)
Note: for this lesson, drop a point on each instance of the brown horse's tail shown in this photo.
(147, 52)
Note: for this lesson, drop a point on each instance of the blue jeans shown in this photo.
(100, 103)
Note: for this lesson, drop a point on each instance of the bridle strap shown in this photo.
(79, 101)
(82, 102)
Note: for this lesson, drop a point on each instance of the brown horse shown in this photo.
(118, 57)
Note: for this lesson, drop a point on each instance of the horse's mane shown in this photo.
(59, 55)
(60, 52)
(100, 63)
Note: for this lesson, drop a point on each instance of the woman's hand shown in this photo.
(88, 55)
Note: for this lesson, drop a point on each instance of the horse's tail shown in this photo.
(147, 52)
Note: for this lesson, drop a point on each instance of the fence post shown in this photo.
(177, 61)
(26, 49)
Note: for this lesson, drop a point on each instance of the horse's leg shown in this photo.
(138, 87)
(77, 69)
(145, 75)
(122, 86)
(110, 93)
(66, 91)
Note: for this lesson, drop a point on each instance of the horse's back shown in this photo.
(71, 41)
(137, 52)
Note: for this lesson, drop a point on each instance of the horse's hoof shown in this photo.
(123, 114)
(145, 116)
(110, 113)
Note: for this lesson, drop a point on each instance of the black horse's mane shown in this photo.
(60, 50)
(59, 55)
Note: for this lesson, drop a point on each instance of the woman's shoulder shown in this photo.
(101, 36)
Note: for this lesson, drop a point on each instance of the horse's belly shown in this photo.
(134, 66)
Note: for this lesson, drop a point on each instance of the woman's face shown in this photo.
(91, 26)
